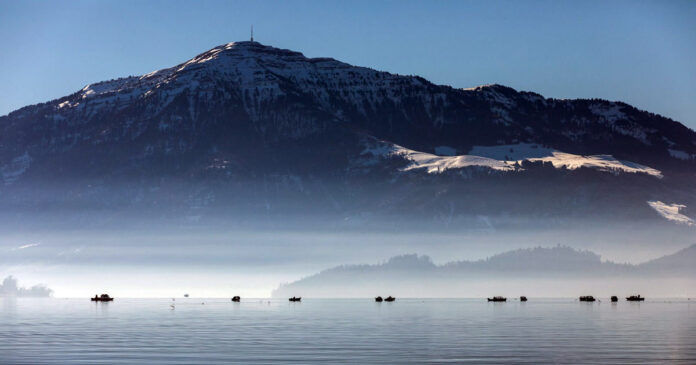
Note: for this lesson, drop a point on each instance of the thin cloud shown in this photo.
(27, 246)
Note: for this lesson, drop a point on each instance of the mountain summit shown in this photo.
(252, 130)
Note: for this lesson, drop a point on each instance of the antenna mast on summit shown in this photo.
(252, 33)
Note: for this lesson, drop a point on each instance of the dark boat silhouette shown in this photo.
(378, 299)
(236, 298)
(186, 295)
(587, 298)
(614, 299)
(523, 299)
(295, 299)
(102, 298)
(635, 298)
(497, 299)
(389, 299)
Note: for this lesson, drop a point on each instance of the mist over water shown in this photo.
(168, 261)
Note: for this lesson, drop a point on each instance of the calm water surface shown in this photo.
(136, 331)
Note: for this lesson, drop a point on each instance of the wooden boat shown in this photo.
(389, 299)
(295, 299)
(497, 299)
(523, 299)
(236, 298)
(102, 298)
(635, 298)
(614, 299)
(587, 298)
(378, 299)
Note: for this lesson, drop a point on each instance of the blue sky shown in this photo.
(640, 52)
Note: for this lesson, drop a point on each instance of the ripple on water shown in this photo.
(127, 331)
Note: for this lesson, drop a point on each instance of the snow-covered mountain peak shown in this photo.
(283, 94)
(236, 67)
(244, 49)
(238, 54)
(243, 119)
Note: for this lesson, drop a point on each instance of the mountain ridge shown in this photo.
(244, 114)
(415, 274)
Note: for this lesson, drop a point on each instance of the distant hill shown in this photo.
(543, 270)
(682, 262)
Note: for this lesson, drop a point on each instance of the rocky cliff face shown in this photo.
(257, 130)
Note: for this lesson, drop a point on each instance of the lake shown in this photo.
(217, 331)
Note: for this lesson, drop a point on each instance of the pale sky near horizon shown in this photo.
(640, 52)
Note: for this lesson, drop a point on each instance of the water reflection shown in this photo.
(60, 331)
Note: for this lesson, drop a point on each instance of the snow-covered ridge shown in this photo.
(671, 212)
(599, 162)
(250, 68)
(506, 158)
(437, 164)
(376, 150)
(533, 152)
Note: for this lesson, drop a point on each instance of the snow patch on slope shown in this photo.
(429, 162)
(613, 115)
(599, 162)
(437, 164)
(501, 158)
(671, 212)
(533, 152)
(609, 111)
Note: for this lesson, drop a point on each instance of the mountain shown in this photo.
(678, 262)
(545, 271)
(259, 133)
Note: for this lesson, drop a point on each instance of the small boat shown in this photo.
(102, 298)
(186, 295)
(236, 298)
(295, 299)
(587, 298)
(378, 299)
(635, 298)
(497, 299)
(523, 299)
(389, 299)
(614, 299)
